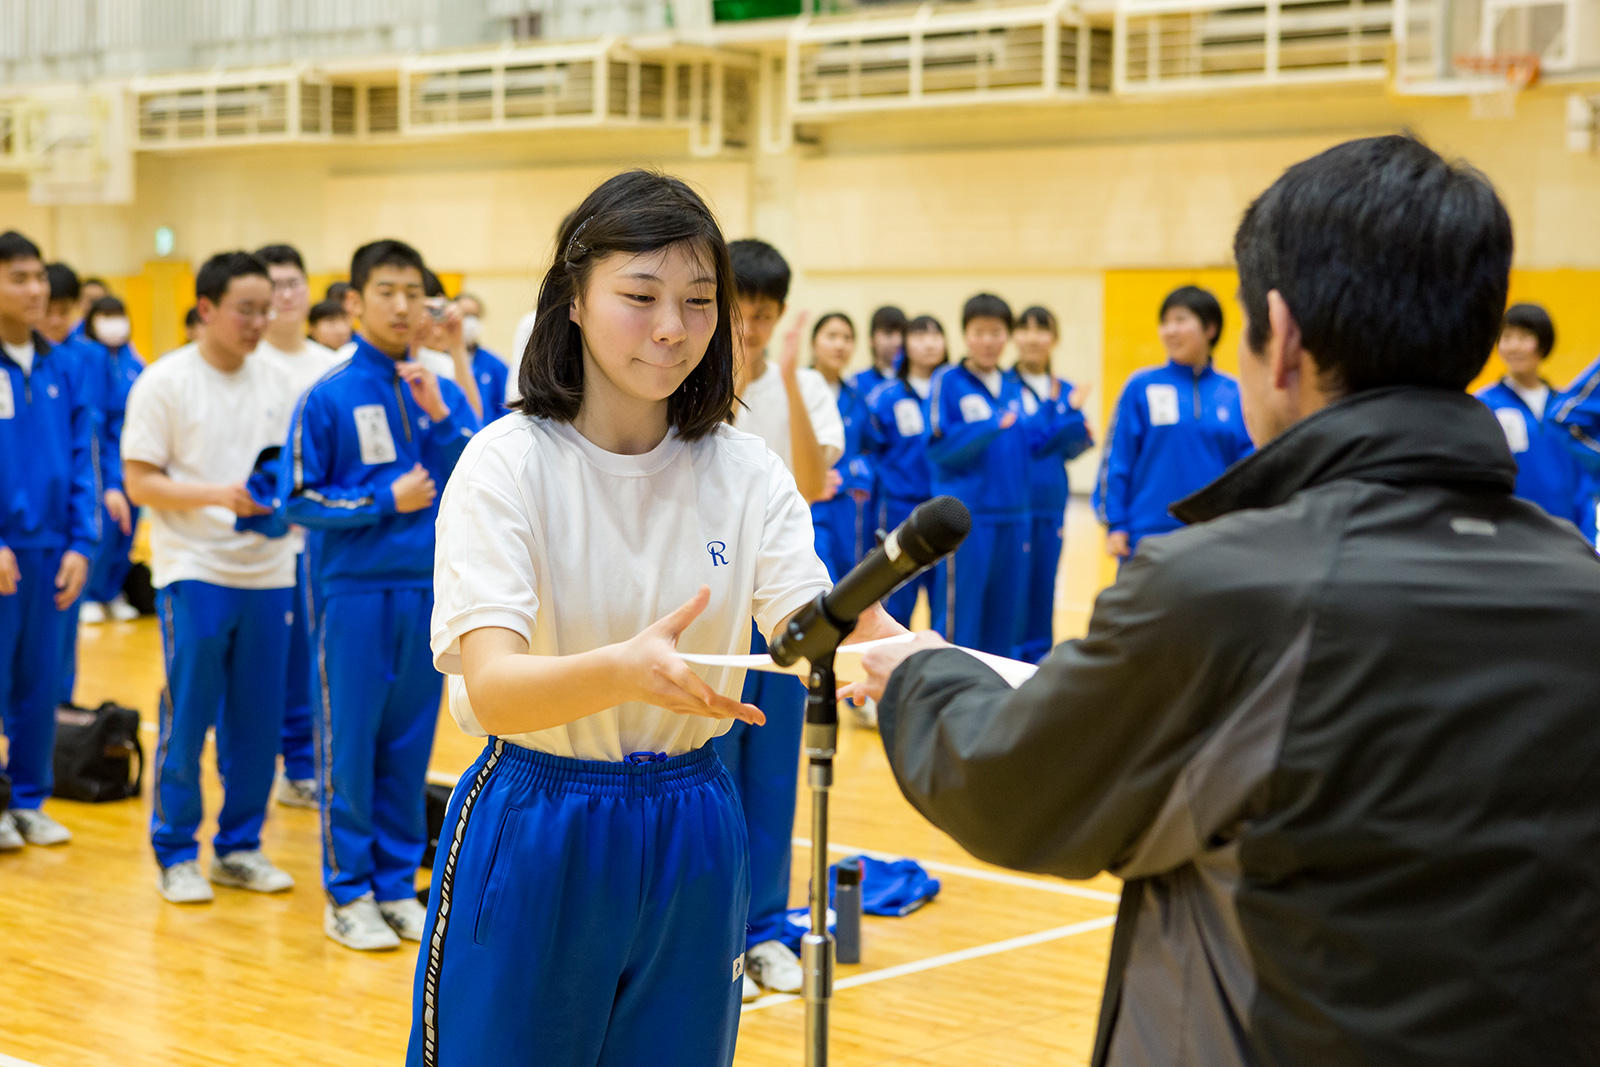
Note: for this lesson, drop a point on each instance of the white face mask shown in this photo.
(113, 331)
(469, 329)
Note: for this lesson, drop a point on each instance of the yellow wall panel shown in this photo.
(1131, 317)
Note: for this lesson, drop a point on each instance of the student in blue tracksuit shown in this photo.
(1175, 428)
(110, 367)
(1063, 435)
(982, 450)
(489, 369)
(1548, 473)
(898, 441)
(887, 334)
(843, 519)
(49, 526)
(369, 446)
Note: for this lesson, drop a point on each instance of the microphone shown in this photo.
(931, 532)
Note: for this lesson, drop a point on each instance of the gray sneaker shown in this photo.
(250, 870)
(37, 828)
(297, 792)
(359, 925)
(406, 917)
(10, 838)
(182, 883)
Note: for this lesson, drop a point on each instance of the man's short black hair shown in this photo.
(384, 253)
(1394, 262)
(328, 309)
(336, 291)
(431, 285)
(1202, 302)
(759, 270)
(221, 269)
(15, 246)
(191, 318)
(988, 306)
(281, 256)
(95, 279)
(63, 282)
(1536, 320)
(889, 319)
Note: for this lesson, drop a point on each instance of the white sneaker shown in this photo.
(774, 967)
(120, 610)
(752, 992)
(359, 925)
(182, 883)
(405, 917)
(10, 838)
(297, 792)
(37, 828)
(250, 870)
(91, 613)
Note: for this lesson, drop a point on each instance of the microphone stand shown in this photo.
(817, 946)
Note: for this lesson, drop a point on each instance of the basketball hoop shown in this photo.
(1498, 79)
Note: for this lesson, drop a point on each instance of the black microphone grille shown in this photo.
(943, 523)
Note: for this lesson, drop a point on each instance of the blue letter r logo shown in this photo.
(717, 548)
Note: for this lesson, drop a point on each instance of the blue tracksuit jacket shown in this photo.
(354, 433)
(1547, 466)
(50, 476)
(843, 530)
(491, 374)
(1061, 435)
(1174, 430)
(974, 460)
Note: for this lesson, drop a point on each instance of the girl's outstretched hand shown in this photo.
(661, 677)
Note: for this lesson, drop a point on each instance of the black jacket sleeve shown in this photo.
(1062, 775)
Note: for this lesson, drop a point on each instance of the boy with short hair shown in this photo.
(62, 313)
(329, 325)
(1547, 471)
(193, 326)
(197, 419)
(888, 348)
(981, 454)
(793, 410)
(303, 361)
(49, 526)
(369, 448)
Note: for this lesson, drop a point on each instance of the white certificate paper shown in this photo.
(847, 662)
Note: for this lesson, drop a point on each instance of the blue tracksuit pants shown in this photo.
(299, 748)
(110, 566)
(1044, 560)
(842, 536)
(988, 596)
(903, 601)
(764, 762)
(374, 709)
(225, 651)
(584, 914)
(32, 632)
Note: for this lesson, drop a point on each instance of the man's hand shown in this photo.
(660, 677)
(789, 357)
(10, 573)
(424, 389)
(1076, 398)
(413, 490)
(880, 663)
(237, 499)
(1008, 420)
(120, 510)
(830, 485)
(1117, 544)
(70, 577)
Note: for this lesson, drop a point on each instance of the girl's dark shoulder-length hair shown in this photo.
(920, 324)
(637, 212)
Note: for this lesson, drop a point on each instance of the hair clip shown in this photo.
(575, 245)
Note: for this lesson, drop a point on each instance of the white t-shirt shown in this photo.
(990, 379)
(22, 354)
(765, 413)
(442, 364)
(1536, 398)
(921, 386)
(304, 368)
(346, 350)
(203, 426)
(1041, 384)
(542, 532)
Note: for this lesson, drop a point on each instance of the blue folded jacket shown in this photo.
(263, 488)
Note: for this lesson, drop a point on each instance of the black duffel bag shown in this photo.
(98, 755)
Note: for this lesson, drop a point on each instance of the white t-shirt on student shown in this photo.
(22, 355)
(765, 413)
(442, 364)
(542, 532)
(304, 368)
(203, 426)
(1536, 398)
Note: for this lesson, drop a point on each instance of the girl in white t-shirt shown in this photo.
(590, 890)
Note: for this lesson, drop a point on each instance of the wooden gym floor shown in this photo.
(95, 968)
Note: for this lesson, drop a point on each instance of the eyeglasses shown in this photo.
(250, 311)
(288, 285)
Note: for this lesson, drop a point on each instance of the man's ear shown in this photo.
(1284, 352)
(353, 304)
(205, 307)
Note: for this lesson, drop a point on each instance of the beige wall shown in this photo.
(918, 209)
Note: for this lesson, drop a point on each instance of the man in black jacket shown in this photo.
(1341, 735)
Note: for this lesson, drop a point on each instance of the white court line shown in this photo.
(1021, 882)
(962, 956)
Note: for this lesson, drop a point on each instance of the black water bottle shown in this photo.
(847, 911)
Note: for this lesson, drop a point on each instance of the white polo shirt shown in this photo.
(200, 425)
(542, 532)
(765, 413)
(303, 368)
